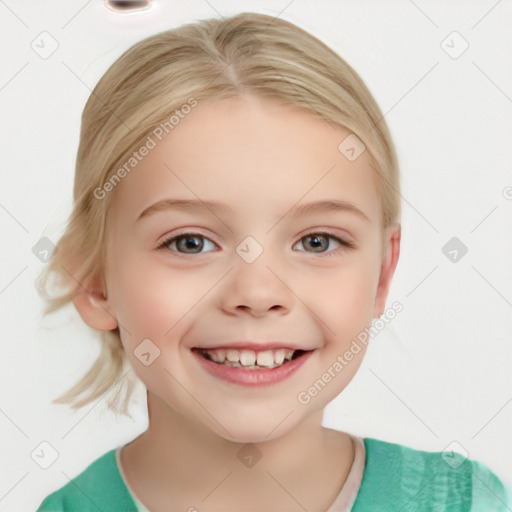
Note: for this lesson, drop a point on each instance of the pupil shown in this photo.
(318, 242)
(191, 243)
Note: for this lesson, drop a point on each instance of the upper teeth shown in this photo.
(247, 358)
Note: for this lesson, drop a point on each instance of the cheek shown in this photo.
(151, 298)
(347, 299)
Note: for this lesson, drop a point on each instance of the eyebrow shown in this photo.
(322, 206)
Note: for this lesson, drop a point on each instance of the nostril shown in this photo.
(123, 6)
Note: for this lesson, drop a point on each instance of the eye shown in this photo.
(194, 243)
(185, 243)
(320, 242)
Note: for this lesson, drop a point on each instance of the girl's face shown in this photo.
(257, 275)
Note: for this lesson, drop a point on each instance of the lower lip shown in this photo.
(254, 378)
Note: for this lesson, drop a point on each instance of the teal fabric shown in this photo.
(399, 478)
(395, 478)
(100, 487)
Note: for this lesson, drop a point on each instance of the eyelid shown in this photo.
(332, 232)
(345, 242)
(186, 232)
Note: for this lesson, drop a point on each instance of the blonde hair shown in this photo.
(247, 53)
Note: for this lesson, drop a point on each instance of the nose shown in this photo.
(256, 289)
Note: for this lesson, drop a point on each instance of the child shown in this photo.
(251, 139)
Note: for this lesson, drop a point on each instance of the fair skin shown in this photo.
(262, 159)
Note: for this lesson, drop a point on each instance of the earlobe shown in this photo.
(387, 268)
(95, 310)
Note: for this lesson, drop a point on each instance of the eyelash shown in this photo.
(345, 243)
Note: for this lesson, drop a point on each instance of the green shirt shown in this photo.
(395, 478)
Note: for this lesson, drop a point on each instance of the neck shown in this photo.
(177, 453)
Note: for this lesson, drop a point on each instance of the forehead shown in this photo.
(251, 153)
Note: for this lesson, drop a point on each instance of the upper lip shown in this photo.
(252, 345)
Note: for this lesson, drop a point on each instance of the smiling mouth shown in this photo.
(251, 359)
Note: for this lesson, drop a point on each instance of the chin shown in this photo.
(253, 437)
(250, 433)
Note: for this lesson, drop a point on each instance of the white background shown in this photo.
(440, 373)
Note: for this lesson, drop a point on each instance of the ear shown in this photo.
(92, 304)
(389, 262)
